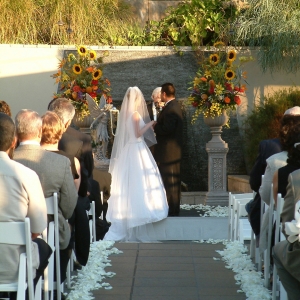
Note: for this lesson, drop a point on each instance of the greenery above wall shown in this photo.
(264, 121)
(273, 25)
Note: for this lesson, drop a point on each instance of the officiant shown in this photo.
(155, 106)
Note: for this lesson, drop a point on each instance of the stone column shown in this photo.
(217, 168)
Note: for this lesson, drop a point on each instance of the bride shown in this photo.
(138, 197)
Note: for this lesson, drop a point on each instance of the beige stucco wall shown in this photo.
(25, 80)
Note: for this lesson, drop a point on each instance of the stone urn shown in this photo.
(83, 123)
(217, 171)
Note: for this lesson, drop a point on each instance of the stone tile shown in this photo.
(167, 281)
(165, 274)
(165, 260)
(176, 293)
(239, 296)
(164, 267)
(120, 281)
(164, 252)
(122, 270)
(127, 246)
(204, 266)
(112, 297)
(122, 259)
(164, 297)
(166, 246)
(116, 290)
(218, 292)
(126, 252)
(205, 247)
(205, 253)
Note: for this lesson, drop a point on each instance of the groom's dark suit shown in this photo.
(167, 152)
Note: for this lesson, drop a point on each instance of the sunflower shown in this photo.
(231, 55)
(214, 59)
(82, 50)
(219, 44)
(97, 74)
(229, 74)
(77, 69)
(92, 54)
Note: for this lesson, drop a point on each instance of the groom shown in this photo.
(167, 153)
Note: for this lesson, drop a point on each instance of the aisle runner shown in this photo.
(235, 257)
(91, 276)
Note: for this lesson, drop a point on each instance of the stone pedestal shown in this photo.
(217, 171)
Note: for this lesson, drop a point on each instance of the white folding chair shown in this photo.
(19, 234)
(53, 242)
(231, 210)
(277, 288)
(243, 229)
(234, 213)
(267, 252)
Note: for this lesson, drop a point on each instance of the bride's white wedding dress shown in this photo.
(138, 197)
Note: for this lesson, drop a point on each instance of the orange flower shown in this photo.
(89, 89)
(211, 83)
(95, 87)
(107, 81)
(227, 100)
(90, 69)
(203, 79)
(204, 97)
(109, 100)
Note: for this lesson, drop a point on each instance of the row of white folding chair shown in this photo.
(232, 210)
(279, 236)
(19, 234)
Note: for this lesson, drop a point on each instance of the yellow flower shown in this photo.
(77, 69)
(229, 74)
(219, 44)
(65, 77)
(82, 50)
(67, 92)
(97, 74)
(71, 57)
(207, 74)
(92, 55)
(219, 89)
(197, 81)
(231, 55)
(214, 59)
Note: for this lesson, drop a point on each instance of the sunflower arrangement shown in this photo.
(81, 73)
(218, 83)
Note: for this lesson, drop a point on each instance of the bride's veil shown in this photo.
(133, 101)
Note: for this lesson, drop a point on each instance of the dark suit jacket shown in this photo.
(150, 111)
(266, 149)
(168, 132)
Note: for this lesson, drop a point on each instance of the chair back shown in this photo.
(19, 234)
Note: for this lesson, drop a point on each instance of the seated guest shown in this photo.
(21, 196)
(280, 179)
(291, 118)
(286, 255)
(52, 130)
(54, 172)
(4, 108)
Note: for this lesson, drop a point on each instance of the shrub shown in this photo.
(264, 121)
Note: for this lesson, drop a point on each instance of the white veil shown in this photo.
(133, 101)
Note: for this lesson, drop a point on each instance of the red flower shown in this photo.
(109, 100)
(211, 90)
(93, 95)
(94, 82)
(195, 104)
(237, 100)
(76, 88)
(228, 86)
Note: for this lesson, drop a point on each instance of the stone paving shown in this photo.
(172, 270)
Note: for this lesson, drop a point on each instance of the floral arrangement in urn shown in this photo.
(218, 83)
(81, 73)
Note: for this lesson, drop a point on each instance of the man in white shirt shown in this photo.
(21, 196)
